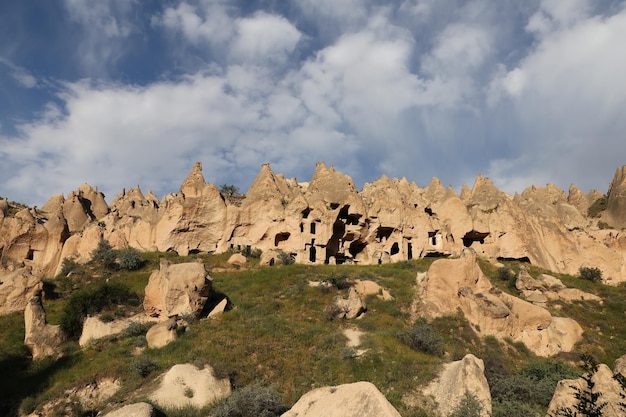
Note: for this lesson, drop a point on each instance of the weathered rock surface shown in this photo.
(161, 334)
(326, 220)
(349, 308)
(457, 378)
(185, 385)
(177, 289)
(604, 383)
(17, 286)
(546, 287)
(451, 284)
(133, 410)
(360, 399)
(94, 328)
(41, 338)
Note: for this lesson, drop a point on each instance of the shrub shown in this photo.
(590, 274)
(129, 259)
(250, 252)
(597, 207)
(67, 266)
(104, 255)
(424, 338)
(285, 258)
(142, 366)
(469, 406)
(506, 274)
(92, 301)
(252, 400)
(339, 281)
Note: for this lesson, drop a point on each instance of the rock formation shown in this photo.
(360, 399)
(94, 328)
(41, 338)
(133, 410)
(184, 385)
(161, 334)
(325, 220)
(456, 379)
(604, 383)
(451, 284)
(177, 290)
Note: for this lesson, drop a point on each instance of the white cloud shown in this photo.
(209, 23)
(264, 37)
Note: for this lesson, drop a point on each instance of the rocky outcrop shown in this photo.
(133, 410)
(17, 285)
(161, 334)
(351, 307)
(546, 288)
(177, 290)
(184, 385)
(41, 338)
(95, 329)
(452, 284)
(360, 399)
(603, 382)
(616, 204)
(326, 220)
(455, 380)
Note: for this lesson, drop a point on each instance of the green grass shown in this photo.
(277, 333)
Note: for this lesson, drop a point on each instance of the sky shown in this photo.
(120, 93)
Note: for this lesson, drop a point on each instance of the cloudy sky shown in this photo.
(117, 93)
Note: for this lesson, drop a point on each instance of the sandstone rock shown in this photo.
(459, 283)
(94, 328)
(177, 289)
(360, 399)
(41, 338)
(366, 287)
(604, 383)
(17, 286)
(184, 385)
(457, 378)
(616, 204)
(219, 308)
(133, 410)
(351, 307)
(237, 259)
(161, 334)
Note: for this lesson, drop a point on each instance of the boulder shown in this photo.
(184, 385)
(133, 410)
(237, 259)
(350, 308)
(17, 286)
(94, 328)
(161, 334)
(455, 380)
(41, 338)
(360, 399)
(177, 289)
(452, 284)
(219, 308)
(604, 383)
(366, 287)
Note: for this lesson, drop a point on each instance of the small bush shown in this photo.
(250, 252)
(252, 400)
(597, 207)
(92, 301)
(469, 406)
(285, 258)
(129, 259)
(67, 266)
(506, 274)
(142, 366)
(104, 255)
(590, 274)
(424, 338)
(339, 281)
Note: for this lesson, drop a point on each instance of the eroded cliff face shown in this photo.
(326, 220)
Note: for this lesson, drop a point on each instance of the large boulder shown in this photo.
(94, 328)
(452, 284)
(133, 410)
(455, 380)
(161, 334)
(603, 383)
(184, 385)
(177, 289)
(360, 399)
(41, 338)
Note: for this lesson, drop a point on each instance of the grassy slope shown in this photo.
(279, 334)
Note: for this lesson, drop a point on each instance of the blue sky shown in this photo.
(117, 93)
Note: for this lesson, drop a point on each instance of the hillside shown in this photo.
(479, 273)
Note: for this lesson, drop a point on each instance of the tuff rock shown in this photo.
(325, 220)
(41, 338)
(360, 399)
